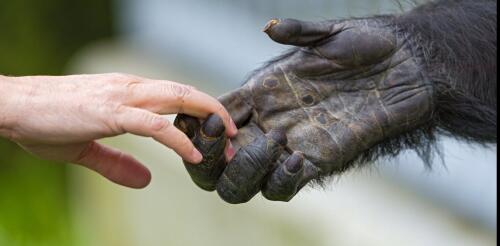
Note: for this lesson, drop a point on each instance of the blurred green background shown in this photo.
(213, 45)
(39, 37)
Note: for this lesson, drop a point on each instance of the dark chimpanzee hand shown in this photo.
(346, 87)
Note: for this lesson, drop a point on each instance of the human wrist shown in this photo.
(7, 92)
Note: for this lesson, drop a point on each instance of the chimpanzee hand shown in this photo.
(349, 85)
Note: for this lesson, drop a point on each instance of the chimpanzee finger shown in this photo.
(299, 33)
(243, 177)
(237, 104)
(210, 140)
(285, 180)
(187, 124)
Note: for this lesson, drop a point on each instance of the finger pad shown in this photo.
(131, 173)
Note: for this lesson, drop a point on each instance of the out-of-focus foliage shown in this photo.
(38, 37)
(33, 209)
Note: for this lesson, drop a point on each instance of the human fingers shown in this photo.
(144, 123)
(165, 97)
(116, 166)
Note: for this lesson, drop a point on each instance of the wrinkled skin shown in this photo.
(346, 87)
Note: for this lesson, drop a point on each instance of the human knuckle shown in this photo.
(187, 143)
(115, 115)
(180, 92)
(109, 92)
(117, 109)
(192, 88)
(222, 110)
(120, 86)
(157, 123)
(131, 87)
(122, 77)
(181, 144)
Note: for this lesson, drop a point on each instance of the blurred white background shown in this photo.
(214, 45)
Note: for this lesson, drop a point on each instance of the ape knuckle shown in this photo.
(279, 191)
(233, 196)
(271, 196)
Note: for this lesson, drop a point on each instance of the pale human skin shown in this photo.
(61, 117)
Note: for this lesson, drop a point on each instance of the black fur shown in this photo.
(459, 42)
(458, 39)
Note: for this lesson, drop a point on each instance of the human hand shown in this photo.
(347, 87)
(60, 118)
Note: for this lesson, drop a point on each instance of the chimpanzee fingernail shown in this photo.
(295, 162)
(213, 126)
(270, 24)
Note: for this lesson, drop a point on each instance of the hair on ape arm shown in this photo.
(457, 39)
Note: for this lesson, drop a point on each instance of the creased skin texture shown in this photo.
(355, 90)
(346, 87)
(206, 173)
(242, 178)
(340, 96)
(244, 175)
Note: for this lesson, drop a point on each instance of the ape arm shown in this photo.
(352, 91)
(458, 39)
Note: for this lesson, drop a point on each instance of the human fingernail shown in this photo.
(196, 156)
(230, 152)
(233, 126)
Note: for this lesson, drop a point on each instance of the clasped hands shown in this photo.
(344, 88)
